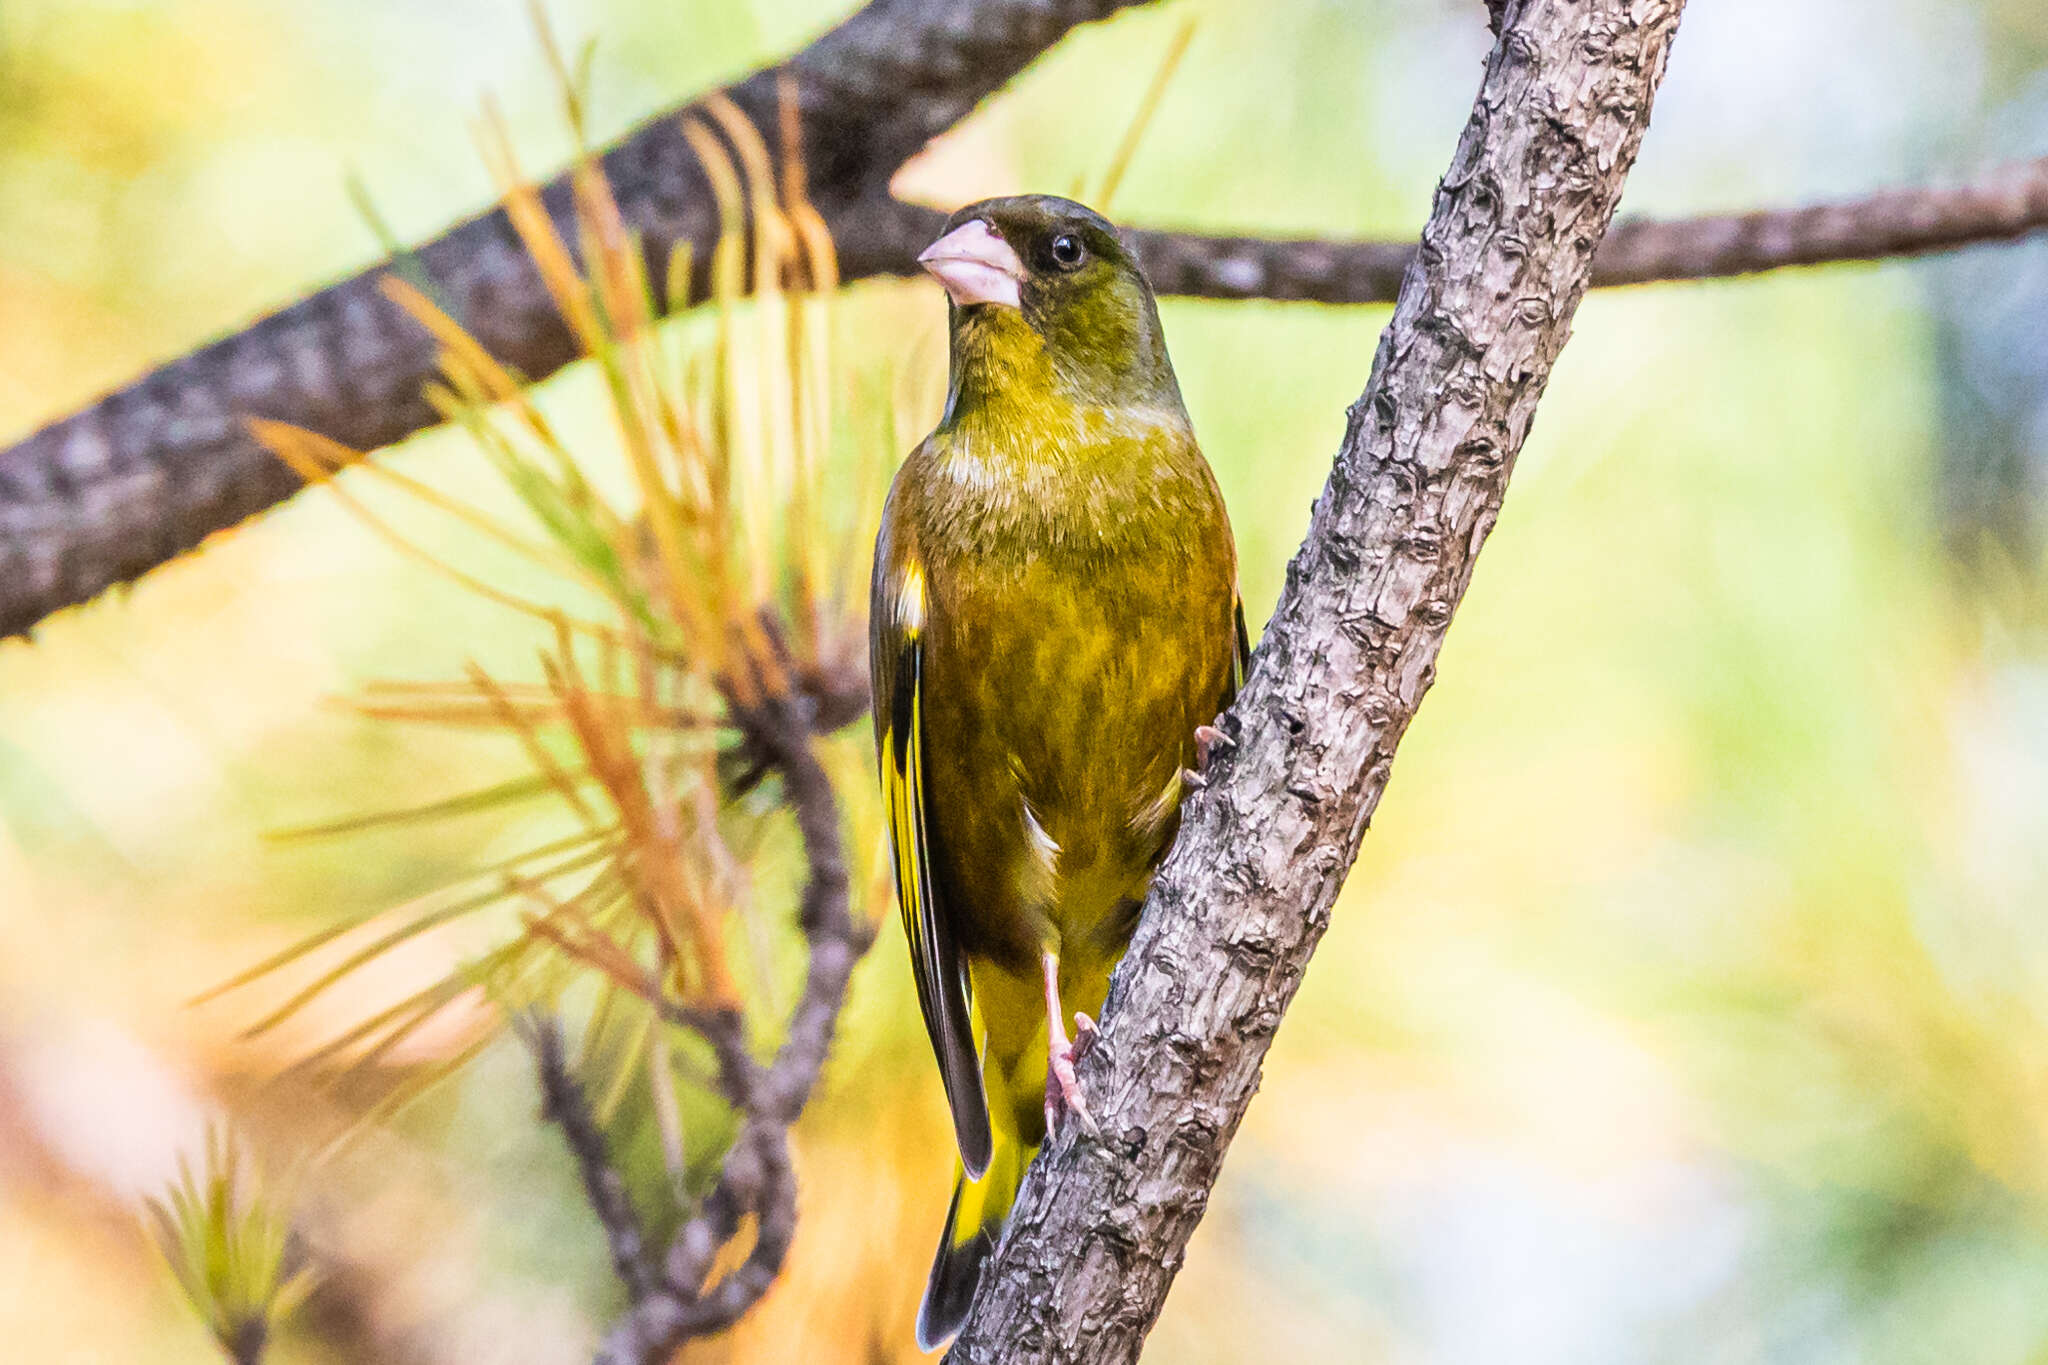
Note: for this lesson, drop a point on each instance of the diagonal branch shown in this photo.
(1100, 1227)
(564, 1104)
(146, 473)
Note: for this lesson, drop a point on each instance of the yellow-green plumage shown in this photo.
(1053, 607)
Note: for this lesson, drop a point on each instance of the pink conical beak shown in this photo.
(975, 265)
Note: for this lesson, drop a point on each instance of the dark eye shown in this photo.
(1067, 251)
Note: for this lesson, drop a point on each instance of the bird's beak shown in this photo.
(975, 265)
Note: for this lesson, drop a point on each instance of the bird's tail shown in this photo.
(974, 1224)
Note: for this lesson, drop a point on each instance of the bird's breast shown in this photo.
(1064, 677)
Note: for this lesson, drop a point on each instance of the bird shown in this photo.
(1054, 625)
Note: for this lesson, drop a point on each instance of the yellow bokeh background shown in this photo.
(1689, 1001)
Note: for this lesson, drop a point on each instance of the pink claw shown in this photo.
(1084, 1034)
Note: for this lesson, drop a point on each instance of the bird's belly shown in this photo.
(1058, 720)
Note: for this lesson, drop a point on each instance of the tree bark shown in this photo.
(1100, 1226)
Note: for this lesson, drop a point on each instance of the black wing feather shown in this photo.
(935, 958)
(1241, 655)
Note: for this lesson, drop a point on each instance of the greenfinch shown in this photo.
(1054, 618)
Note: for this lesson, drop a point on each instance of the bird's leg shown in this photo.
(1208, 740)
(1062, 1087)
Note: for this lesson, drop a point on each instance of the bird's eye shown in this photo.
(1067, 251)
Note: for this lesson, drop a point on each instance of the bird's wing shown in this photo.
(897, 649)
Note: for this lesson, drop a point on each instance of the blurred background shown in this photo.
(1690, 999)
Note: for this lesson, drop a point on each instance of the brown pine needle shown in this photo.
(596, 949)
(475, 713)
(400, 1098)
(567, 85)
(563, 781)
(410, 929)
(724, 569)
(773, 239)
(417, 1007)
(541, 556)
(370, 952)
(536, 229)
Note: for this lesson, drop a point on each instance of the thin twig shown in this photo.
(251, 1343)
(674, 1304)
(564, 1104)
(2004, 204)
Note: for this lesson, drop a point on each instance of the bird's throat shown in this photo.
(1002, 373)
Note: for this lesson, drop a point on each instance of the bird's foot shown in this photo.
(1208, 741)
(1063, 1096)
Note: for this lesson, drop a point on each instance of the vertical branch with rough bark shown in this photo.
(1100, 1227)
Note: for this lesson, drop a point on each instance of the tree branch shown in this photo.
(146, 473)
(2006, 203)
(564, 1104)
(671, 1303)
(1099, 1228)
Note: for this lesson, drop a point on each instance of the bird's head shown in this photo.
(1036, 273)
